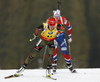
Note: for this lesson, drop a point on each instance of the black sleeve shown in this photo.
(40, 27)
(59, 26)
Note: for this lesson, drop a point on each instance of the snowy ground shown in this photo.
(63, 75)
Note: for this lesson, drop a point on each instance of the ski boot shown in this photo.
(54, 67)
(48, 71)
(21, 69)
(70, 67)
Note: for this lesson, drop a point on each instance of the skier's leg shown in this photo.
(63, 48)
(55, 52)
(50, 58)
(37, 48)
(54, 64)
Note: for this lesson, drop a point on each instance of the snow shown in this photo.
(62, 75)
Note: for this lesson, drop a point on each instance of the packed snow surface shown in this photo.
(62, 75)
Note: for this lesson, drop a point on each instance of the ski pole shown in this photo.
(44, 55)
(31, 39)
(35, 36)
(69, 50)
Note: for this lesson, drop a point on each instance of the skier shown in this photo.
(60, 39)
(48, 35)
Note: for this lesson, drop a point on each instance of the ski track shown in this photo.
(62, 75)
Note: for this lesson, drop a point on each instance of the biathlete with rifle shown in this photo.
(60, 39)
(48, 34)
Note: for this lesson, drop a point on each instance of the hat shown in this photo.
(56, 12)
(51, 22)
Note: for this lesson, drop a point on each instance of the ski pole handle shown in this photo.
(33, 37)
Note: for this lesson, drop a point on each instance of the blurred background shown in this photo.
(19, 19)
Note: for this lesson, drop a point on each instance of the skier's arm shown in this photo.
(69, 29)
(38, 29)
(36, 32)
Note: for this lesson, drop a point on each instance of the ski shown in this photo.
(50, 78)
(14, 75)
(80, 73)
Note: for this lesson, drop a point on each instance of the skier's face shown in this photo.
(57, 17)
(51, 27)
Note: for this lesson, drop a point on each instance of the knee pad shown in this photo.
(30, 57)
(52, 46)
(51, 56)
(37, 48)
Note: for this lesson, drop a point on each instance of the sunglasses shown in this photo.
(56, 15)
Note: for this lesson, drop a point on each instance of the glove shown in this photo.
(70, 39)
(34, 37)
